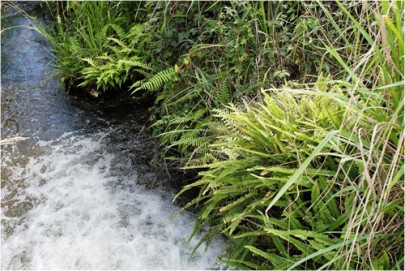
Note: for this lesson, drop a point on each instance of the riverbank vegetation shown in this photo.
(291, 113)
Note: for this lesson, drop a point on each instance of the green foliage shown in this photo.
(304, 175)
(224, 54)
(308, 178)
(96, 44)
(257, 151)
(216, 66)
(118, 66)
(155, 82)
(285, 171)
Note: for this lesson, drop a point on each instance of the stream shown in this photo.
(81, 192)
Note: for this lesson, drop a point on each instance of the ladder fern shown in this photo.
(156, 81)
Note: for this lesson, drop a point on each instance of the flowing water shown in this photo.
(80, 192)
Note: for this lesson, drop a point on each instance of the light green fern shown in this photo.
(156, 81)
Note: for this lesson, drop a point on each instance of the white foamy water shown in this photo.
(64, 209)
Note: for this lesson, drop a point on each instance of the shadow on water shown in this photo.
(76, 194)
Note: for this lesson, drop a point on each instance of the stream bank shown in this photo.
(81, 192)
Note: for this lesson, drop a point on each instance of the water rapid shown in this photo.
(79, 192)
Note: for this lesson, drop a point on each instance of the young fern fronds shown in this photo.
(156, 81)
(117, 41)
(195, 116)
(89, 61)
(135, 64)
(106, 57)
(105, 72)
(117, 29)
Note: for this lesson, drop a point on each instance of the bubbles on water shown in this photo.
(81, 214)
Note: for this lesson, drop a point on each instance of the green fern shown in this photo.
(156, 81)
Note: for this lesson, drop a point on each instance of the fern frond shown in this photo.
(135, 31)
(134, 63)
(118, 29)
(106, 57)
(90, 61)
(117, 41)
(156, 81)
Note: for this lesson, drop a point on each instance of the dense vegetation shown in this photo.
(290, 112)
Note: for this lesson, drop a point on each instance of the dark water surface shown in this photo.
(76, 194)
